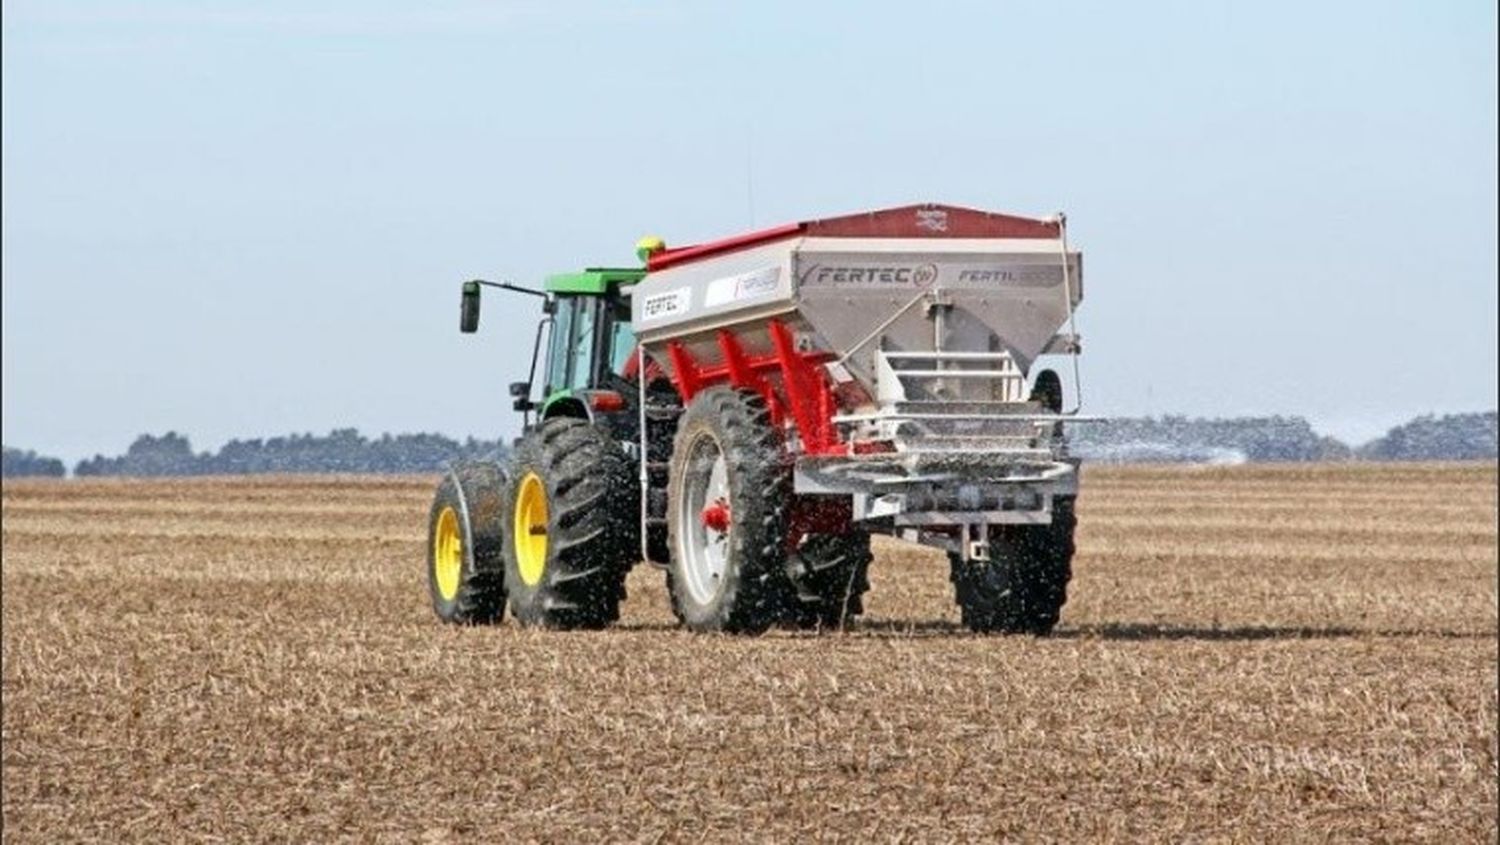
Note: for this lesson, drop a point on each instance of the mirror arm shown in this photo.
(509, 286)
(549, 304)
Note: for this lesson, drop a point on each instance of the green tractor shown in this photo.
(555, 529)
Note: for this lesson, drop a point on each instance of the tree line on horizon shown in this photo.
(341, 451)
(1170, 439)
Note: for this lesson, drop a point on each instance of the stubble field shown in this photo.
(1249, 653)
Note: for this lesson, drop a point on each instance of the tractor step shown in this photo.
(656, 506)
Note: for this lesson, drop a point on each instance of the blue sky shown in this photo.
(243, 219)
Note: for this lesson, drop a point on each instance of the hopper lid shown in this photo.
(926, 220)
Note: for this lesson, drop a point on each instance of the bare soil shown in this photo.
(1250, 653)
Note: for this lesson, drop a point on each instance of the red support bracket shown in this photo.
(684, 371)
(804, 395)
(742, 374)
(807, 394)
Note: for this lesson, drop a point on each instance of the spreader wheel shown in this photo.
(465, 542)
(729, 488)
(1022, 587)
(830, 573)
(573, 526)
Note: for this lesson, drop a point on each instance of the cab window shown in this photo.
(559, 344)
(581, 373)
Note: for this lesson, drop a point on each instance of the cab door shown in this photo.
(571, 351)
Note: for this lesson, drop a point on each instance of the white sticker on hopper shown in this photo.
(665, 304)
(744, 286)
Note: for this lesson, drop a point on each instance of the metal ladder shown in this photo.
(658, 424)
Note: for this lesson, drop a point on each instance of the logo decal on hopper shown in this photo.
(870, 276)
(744, 286)
(932, 219)
(665, 304)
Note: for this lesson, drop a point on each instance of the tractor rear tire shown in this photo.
(466, 545)
(830, 574)
(1021, 589)
(728, 456)
(573, 526)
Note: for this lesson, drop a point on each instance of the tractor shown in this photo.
(746, 413)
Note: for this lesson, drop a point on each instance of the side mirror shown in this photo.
(523, 404)
(468, 312)
(520, 389)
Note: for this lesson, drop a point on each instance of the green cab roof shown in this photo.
(594, 280)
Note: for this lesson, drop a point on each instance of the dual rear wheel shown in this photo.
(552, 533)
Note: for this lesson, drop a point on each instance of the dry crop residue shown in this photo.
(1250, 653)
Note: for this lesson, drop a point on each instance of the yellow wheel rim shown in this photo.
(447, 554)
(531, 530)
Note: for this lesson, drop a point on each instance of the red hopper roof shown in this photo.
(907, 221)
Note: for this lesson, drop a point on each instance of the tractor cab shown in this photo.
(589, 344)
